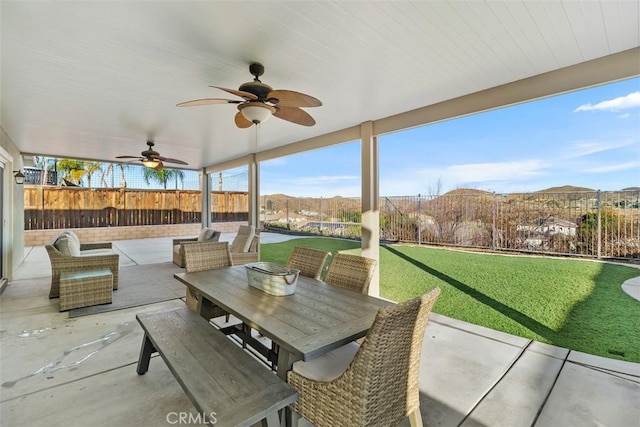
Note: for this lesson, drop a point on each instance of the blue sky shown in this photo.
(589, 138)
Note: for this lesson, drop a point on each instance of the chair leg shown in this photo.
(415, 418)
(295, 418)
(272, 420)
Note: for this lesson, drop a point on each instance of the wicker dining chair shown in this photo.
(206, 235)
(375, 384)
(245, 247)
(205, 256)
(309, 261)
(352, 272)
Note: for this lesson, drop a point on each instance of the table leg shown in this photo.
(285, 362)
(145, 355)
(204, 307)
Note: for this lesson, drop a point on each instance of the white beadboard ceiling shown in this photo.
(92, 79)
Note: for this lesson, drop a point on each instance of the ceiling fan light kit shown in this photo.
(150, 163)
(256, 112)
(260, 102)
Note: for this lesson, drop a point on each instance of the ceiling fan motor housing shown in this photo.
(256, 87)
(150, 152)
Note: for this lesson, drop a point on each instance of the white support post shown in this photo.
(254, 192)
(205, 185)
(370, 203)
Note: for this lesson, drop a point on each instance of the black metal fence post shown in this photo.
(419, 220)
(494, 214)
(599, 202)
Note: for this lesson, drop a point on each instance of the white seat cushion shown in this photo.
(205, 234)
(67, 245)
(330, 365)
(71, 235)
(242, 241)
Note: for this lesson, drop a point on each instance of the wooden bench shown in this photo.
(85, 288)
(218, 376)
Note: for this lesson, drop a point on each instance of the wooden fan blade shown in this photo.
(170, 160)
(242, 94)
(159, 167)
(207, 101)
(294, 115)
(290, 98)
(128, 157)
(241, 121)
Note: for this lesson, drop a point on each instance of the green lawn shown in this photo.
(576, 304)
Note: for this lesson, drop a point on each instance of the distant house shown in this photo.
(549, 226)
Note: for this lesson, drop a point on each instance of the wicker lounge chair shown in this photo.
(375, 384)
(202, 256)
(68, 255)
(351, 272)
(206, 235)
(309, 261)
(245, 247)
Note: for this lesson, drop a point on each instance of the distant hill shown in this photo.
(466, 192)
(565, 189)
(282, 202)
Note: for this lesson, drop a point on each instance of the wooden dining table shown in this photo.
(314, 320)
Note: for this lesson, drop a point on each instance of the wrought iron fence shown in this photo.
(599, 224)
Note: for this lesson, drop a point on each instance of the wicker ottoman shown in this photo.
(85, 288)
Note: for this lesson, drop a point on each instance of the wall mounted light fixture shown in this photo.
(19, 177)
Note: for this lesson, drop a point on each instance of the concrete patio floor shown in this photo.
(57, 370)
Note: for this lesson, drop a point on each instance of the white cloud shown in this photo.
(614, 168)
(314, 186)
(322, 190)
(278, 161)
(485, 172)
(586, 148)
(325, 179)
(473, 175)
(621, 103)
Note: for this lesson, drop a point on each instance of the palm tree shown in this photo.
(123, 181)
(109, 171)
(72, 170)
(163, 176)
(91, 168)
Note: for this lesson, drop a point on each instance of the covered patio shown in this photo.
(96, 80)
(469, 375)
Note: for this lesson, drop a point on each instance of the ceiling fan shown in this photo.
(152, 159)
(260, 102)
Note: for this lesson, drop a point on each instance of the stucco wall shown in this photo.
(99, 234)
(12, 206)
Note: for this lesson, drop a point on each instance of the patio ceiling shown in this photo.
(92, 79)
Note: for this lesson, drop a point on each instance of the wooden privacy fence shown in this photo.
(67, 207)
